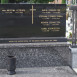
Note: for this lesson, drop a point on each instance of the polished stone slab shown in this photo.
(32, 20)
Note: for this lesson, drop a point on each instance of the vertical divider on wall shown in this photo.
(74, 18)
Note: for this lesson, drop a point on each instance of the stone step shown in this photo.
(58, 71)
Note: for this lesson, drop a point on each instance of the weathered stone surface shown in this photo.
(58, 71)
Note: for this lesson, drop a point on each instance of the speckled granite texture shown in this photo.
(36, 54)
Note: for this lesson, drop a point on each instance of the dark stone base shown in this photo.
(36, 54)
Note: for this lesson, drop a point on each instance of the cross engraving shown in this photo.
(32, 13)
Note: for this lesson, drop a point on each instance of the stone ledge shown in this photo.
(21, 45)
(62, 71)
(74, 50)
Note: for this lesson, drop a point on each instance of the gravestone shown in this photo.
(24, 23)
(35, 34)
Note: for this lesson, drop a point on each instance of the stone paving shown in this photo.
(59, 71)
(75, 69)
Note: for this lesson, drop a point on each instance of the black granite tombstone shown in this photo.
(32, 23)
